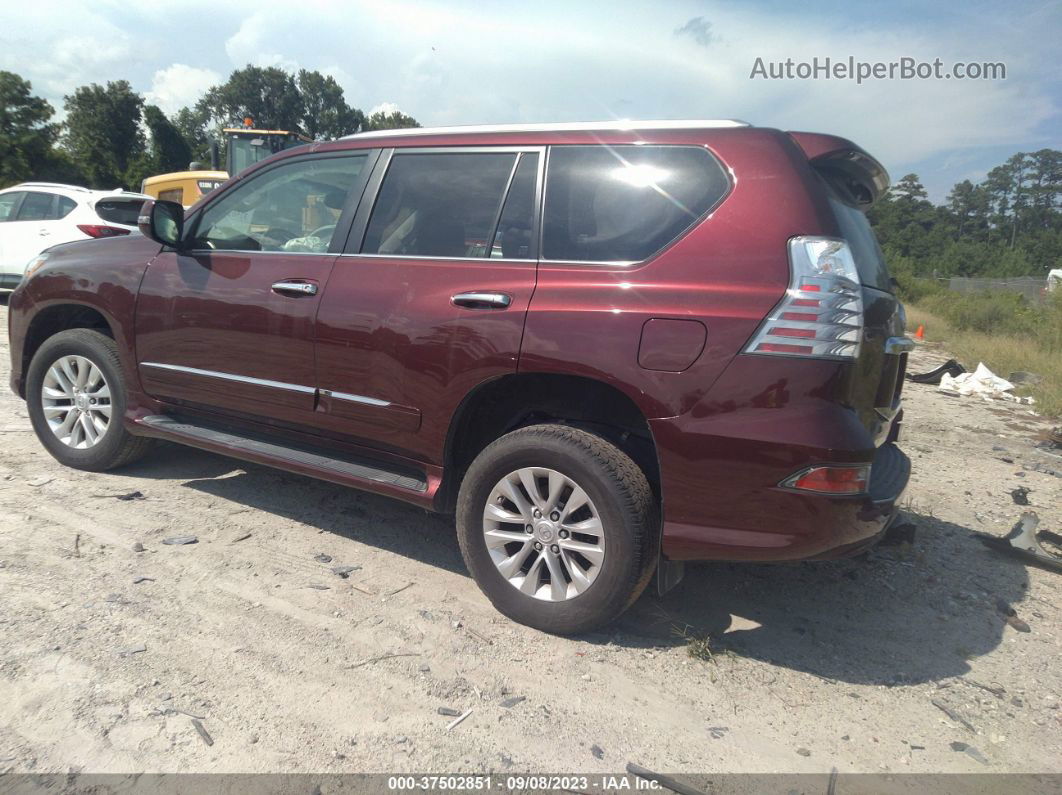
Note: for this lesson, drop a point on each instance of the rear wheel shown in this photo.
(75, 394)
(557, 527)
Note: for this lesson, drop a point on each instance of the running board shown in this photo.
(282, 456)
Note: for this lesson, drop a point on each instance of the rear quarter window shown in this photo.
(119, 211)
(625, 203)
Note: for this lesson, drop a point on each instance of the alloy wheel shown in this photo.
(544, 534)
(76, 400)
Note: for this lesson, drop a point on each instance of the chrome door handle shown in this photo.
(295, 288)
(481, 300)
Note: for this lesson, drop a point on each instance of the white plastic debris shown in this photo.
(983, 383)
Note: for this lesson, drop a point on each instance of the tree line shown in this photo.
(1007, 225)
(111, 137)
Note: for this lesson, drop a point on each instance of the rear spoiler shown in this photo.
(845, 166)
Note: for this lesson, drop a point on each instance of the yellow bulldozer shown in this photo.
(246, 145)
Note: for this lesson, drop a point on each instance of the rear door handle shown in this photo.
(295, 288)
(481, 300)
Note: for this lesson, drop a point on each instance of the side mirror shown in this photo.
(162, 221)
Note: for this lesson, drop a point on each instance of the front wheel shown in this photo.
(557, 527)
(75, 394)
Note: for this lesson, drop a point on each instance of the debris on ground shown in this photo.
(449, 712)
(178, 541)
(512, 701)
(1022, 542)
(124, 497)
(955, 716)
(344, 571)
(970, 751)
(138, 547)
(318, 587)
(39, 481)
(896, 534)
(321, 557)
(1018, 624)
(202, 731)
(597, 751)
(803, 751)
(458, 719)
(1020, 495)
(240, 537)
(983, 383)
(138, 580)
(139, 649)
(950, 367)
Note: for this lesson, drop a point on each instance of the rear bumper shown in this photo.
(776, 524)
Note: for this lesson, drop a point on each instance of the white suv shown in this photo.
(37, 215)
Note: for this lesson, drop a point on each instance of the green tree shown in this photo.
(169, 149)
(26, 131)
(192, 123)
(103, 133)
(388, 121)
(326, 114)
(268, 95)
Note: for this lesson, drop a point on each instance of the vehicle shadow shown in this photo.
(897, 615)
(371, 519)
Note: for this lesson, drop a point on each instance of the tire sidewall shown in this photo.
(607, 596)
(100, 350)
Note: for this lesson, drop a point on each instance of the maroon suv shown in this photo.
(610, 348)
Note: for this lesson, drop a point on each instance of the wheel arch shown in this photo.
(54, 318)
(503, 404)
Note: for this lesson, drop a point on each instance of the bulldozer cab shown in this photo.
(247, 145)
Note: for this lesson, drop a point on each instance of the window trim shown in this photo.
(360, 227)
(354, 197)
(631, 264)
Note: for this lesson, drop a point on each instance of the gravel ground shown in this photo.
(899, 661)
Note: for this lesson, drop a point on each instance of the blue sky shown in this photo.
(474, 62)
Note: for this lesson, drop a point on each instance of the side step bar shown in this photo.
(260, 451)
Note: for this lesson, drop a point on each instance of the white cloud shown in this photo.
(180, 86)
(384, 107)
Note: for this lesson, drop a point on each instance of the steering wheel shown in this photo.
(323, 231)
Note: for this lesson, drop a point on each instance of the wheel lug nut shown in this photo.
(537, 513)
(555, 549)
(554, 517)
(528, 529)
(538, 546)
(563, 533)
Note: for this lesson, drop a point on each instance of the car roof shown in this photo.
(618, 125)
(74, 191)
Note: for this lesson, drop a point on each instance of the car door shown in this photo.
(228, 324)
(9, 203)
(430, 296)
(34, 228)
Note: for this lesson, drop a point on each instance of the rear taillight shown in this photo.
(821, 315)
(97, 230)
(831, 480)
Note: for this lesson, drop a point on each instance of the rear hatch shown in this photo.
(852, 181)
(877, 378)
(120, 210)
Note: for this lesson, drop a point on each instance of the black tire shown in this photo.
(624, 502)
(116, 447)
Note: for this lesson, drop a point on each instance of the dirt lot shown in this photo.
(106, 653)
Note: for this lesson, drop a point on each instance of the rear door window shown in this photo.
(439, 205)
(625, 203)
(8, 205)
(512, 239)
(120, 211)
(37, 207)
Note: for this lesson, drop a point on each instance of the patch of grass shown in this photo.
(697, 646)
(1005, 346)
